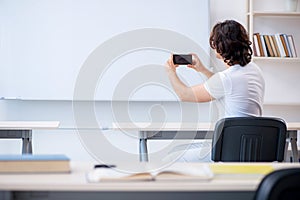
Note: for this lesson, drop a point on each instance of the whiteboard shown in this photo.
(98, 49)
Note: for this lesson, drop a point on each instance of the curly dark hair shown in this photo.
(231, 41)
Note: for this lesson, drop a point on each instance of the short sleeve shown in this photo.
(214, 86)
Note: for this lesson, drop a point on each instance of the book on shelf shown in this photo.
(268, 46)
(276, 46)
(257, 45)
(264, 48)
(256, 49)
(292, 45)
(280, 45)
(284, 45)
(34, 163)
(178, 171)
(273, 45)
(287, 45)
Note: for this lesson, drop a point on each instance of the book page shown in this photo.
(111, 174)
(184, 171)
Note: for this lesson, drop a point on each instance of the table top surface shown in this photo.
(143, 126)
(28, 125)
(163, 126)
(77, 181)
(175, 126)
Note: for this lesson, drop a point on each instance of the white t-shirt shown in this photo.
(238, 90)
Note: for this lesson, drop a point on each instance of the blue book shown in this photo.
(34, 163)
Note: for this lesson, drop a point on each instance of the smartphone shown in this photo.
(182, 59)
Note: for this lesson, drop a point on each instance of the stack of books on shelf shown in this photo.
(277, 45)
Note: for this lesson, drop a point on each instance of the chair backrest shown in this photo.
(249, 139)
(283, 184)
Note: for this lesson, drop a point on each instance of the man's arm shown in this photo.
(196, 93)
(199, 67)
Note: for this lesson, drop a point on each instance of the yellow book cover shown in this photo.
(223, 168)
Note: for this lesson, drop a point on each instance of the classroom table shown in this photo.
(23, 130)
(75, 186)
(170, 130)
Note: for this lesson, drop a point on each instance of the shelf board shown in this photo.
(255, 58)
(275, 13)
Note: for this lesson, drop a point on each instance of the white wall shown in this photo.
(67, 141)
(227, 9)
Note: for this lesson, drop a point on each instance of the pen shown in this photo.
(104, 166)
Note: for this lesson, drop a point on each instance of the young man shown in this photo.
(239, 89)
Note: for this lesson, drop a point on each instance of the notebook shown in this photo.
(29, 163)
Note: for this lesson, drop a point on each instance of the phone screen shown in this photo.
(182, 59)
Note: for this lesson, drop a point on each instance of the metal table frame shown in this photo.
(145, 135)
(23, 130)
(25, 135)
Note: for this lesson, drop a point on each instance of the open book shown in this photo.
(174, 172)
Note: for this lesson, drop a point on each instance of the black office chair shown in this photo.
(249, 139)
(283, 184)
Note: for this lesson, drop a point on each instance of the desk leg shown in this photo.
(27, 142)
(293, 140)
(143, 146)
(287, 141)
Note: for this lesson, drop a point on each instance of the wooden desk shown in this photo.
(189, 131)
(23, 130)
(75, 186)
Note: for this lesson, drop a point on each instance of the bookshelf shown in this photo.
(283, 60)
(275, 14)
(269, 18)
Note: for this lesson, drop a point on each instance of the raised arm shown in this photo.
(199, 67)
(196, 93)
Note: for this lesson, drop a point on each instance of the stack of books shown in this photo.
(277, 45)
